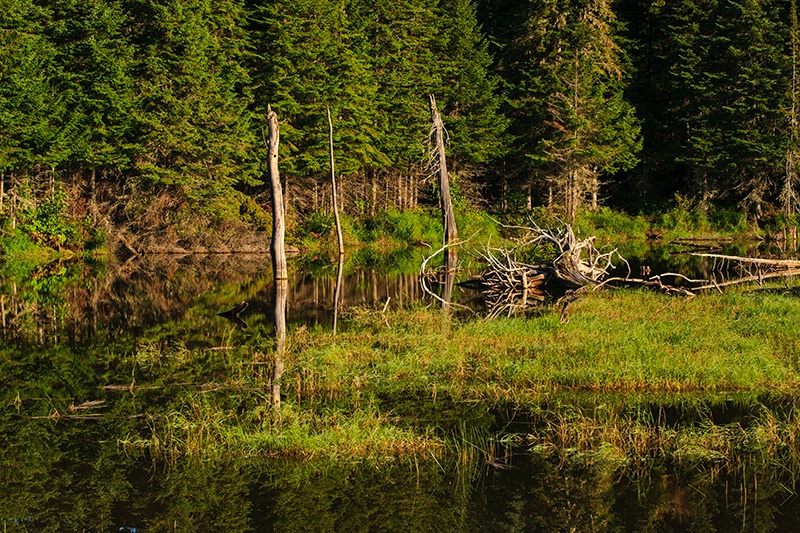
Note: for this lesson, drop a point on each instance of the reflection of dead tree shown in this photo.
(444, 275)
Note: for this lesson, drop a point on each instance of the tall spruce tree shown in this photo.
(469, 92)
(574, 78)
(736, 133)
(193, 124)
(303, 61)
(711, 86)
(789, 196)
(30, 108)
(398, 38)
(94, 60)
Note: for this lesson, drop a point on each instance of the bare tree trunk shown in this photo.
(374, 204)
(399, 194)
(334, 193)
(529, 197)
(450, 233)
(277, 247)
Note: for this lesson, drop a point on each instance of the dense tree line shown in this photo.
(560, 102)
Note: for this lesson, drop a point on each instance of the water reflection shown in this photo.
(68, 475)
(78, 406)
(177, 298)
(280, 290)
(170, 298)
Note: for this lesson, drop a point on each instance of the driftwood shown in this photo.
(509, 285)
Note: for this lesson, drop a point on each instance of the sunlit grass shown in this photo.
(612, 341)
(340, 393)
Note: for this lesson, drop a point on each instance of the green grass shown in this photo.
(620, 340)
(398, 382)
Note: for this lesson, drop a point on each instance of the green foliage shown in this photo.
(47, 223)
(469, 97)
(193, 125)
(612, 225)
(20, 255)
(317, 225)
(411, 227)
(712, 85)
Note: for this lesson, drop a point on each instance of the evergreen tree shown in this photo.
(788, 197)
(94, 79)
(398, 37)
(711, 87)
(573, 79)
(736, 139)
(29, 106)
(469, 93)
(193, 124)
(303, 60)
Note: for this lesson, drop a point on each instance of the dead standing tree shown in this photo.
(278, 250)
(449, 233)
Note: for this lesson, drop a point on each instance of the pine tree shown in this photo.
(788, 197)
(193, 123)
(735, 140)
(576, 68)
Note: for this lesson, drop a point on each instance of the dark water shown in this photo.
(69, 332)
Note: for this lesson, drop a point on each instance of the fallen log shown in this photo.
(575, 266)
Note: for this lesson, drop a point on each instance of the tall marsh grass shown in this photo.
(397, 382)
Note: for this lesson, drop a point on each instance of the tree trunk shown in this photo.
(334, 193)
(277, 247)
(450, 232)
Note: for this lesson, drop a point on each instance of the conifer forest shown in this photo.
(140, 115)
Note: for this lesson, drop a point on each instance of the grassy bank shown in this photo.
(398, 382)
(621, 340)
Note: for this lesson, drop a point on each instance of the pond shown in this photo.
(79, 392)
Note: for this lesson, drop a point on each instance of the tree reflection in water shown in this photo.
(87, 378)
(69, 476)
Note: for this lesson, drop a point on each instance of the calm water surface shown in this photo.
(69, 332)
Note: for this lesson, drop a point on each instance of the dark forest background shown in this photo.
(148, 116)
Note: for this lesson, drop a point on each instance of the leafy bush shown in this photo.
(409, 227)
(685, 215)
(607, 221)
(47, 223)
(317, 224)
(726, 219)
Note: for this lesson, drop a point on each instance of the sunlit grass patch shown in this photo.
(206, 430)
(340, 392)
